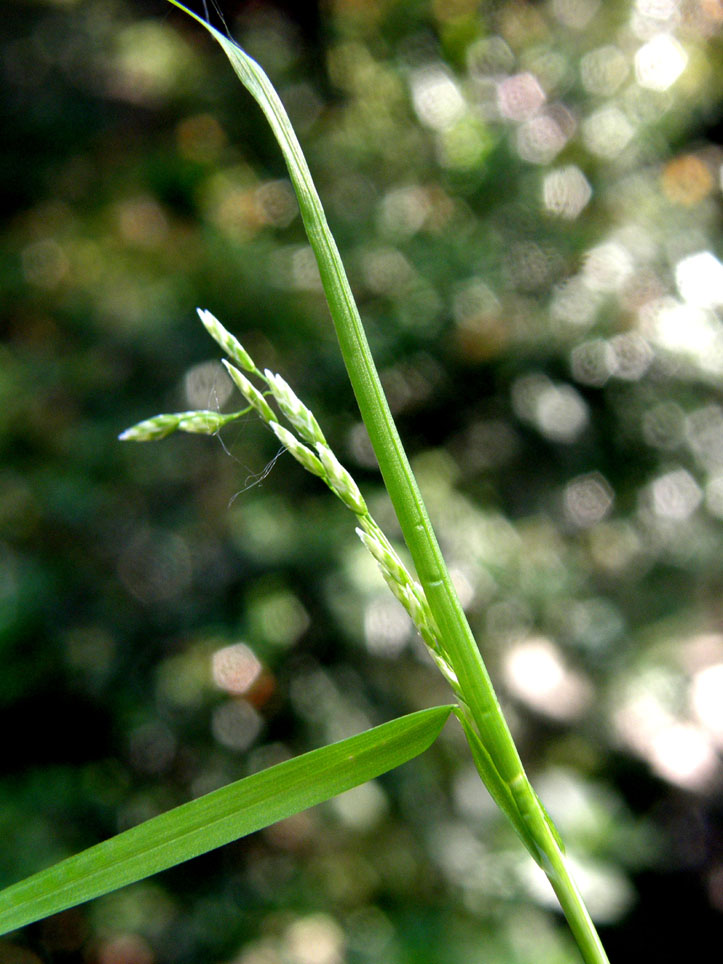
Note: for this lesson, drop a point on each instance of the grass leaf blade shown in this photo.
(220, 817)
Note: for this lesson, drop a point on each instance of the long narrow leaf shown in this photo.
(220, 817)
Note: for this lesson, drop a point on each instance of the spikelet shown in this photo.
(199, 423)
(202, 423)
(230, 344)
(252, 395)
(294, 409)
(300, 452)
(151, 429)
(340, 481)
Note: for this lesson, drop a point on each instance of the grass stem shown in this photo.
(491, 742)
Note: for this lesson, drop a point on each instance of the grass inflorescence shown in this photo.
(316, 456)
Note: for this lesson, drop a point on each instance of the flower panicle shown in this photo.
(321, 461)
(326, 465)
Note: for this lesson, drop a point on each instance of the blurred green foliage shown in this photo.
(527, 197)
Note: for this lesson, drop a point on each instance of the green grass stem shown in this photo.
(494, 750)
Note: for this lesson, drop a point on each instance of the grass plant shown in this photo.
(429, 598)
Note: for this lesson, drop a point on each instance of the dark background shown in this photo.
(527, 198)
